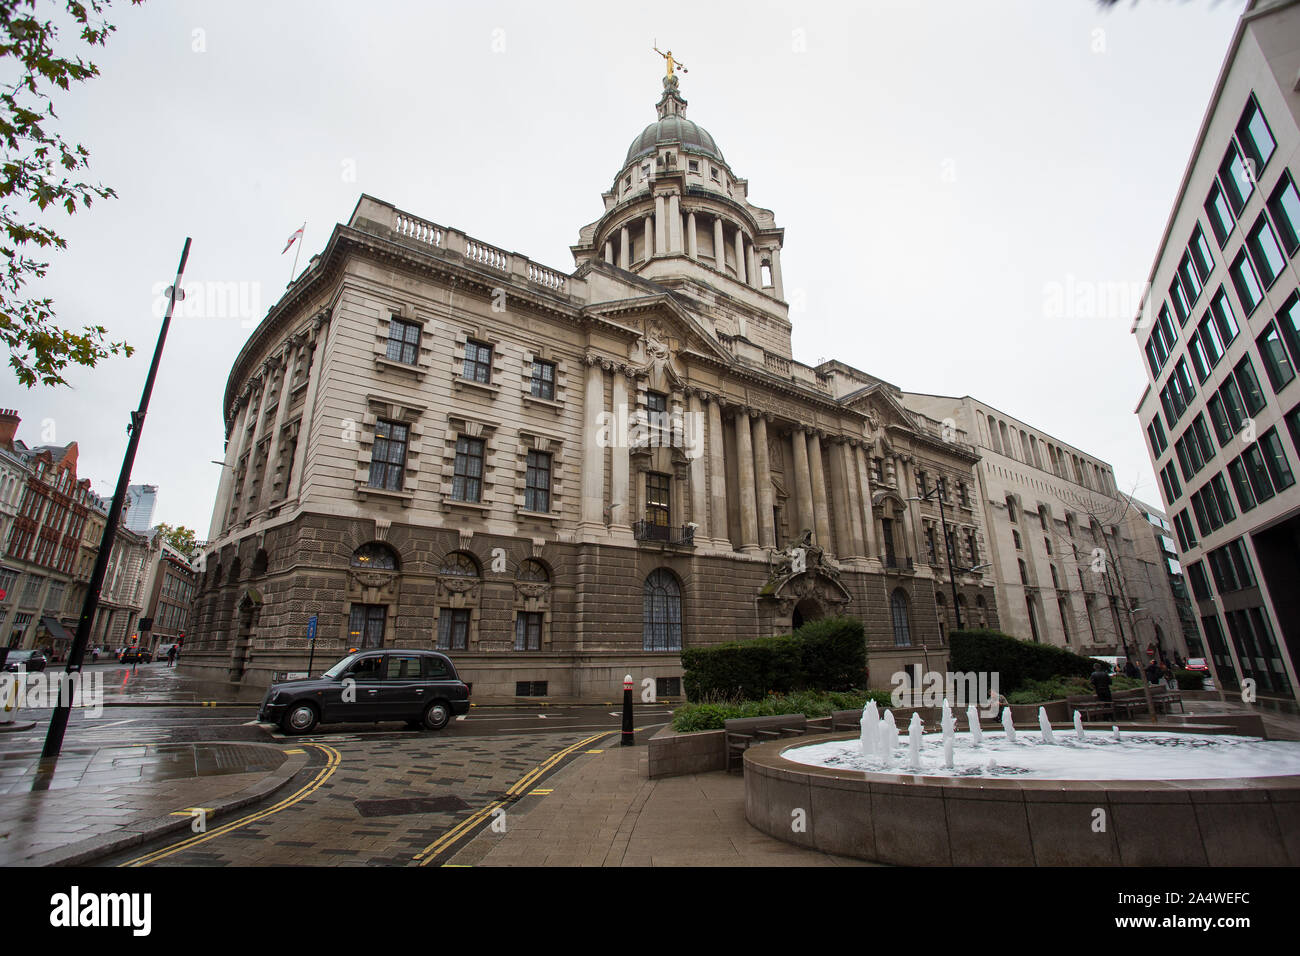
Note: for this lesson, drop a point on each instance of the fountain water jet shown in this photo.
(870, 718)
(1078, 726)
(1045, 726)
(914, 732)
(1007, 726)
(973, 719)
(947, 723)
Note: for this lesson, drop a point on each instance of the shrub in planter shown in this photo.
(1190, 680)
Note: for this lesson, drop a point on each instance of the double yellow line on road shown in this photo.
(332, 760)
(517, 789)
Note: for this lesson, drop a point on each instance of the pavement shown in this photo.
(601, 810)
(93, 801)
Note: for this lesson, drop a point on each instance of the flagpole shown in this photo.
(301, 239)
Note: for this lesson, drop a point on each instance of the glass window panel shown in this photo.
(1248, 381)
(1221, 219)
(1265, 251)
(1249, 290)
(1284, 204)
(1279, 469)
(1277, 365)
(1254, 135)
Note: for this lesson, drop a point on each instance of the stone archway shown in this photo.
(809, 609)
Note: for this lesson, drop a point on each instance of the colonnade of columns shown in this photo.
(823, 471)
(667, 231)
(274, 383)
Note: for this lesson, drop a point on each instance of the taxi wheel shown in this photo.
(436, 716)
(299, 719)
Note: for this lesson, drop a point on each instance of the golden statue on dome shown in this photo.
(671, 62)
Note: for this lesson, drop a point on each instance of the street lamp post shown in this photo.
(59, 719)
(947, 544)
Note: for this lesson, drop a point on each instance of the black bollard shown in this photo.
(628, 734)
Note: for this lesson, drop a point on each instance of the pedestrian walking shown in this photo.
(171, 656)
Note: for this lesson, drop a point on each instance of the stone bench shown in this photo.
(838, 720)
(743, 732)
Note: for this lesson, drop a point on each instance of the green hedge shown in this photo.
(1014, 661)
(829, 654)
(1190, 680)
(712, 715)
(1058, 688)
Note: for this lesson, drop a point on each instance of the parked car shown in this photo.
(1198, 664)
(133, 654)
(26, 660)
(418, 687)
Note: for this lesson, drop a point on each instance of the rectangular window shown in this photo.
(1202, 258)
(542, 382)
(1241, 484)
(537, 490)
(1221, 220)
(366, 625)
(1200, 361)
(403, 342)
(1200, 582)
(1255, 137)
(658, 510)
(528, 631)
(1246, 282)
(1284, 205)
(388, 460)
(1224, 318)
(1248, 382)
(1257, 472)
(1221, 498)
(1279, 469)
(478, 362)
(1169, 479)
(1236, 180)
(1208, 334)
(1288, 324)
(1182, 305)
(1265, 251)
(1277, 365)
(1156, 435)
(453, 629)
(467, 479)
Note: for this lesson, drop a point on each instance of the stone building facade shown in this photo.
(561, 478)
(1072, 556)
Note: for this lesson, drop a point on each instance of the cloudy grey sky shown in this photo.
(943, 170)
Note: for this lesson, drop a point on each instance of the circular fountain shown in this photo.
(1054, 797)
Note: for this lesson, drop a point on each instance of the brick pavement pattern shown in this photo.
(337, 825)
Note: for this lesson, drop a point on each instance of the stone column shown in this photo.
(691, 248)
(751, 265)
(803, 482)
(748, 492)
(821, 512)
(593, 461)
(649, 237)
(907, 489)
(277, 430)
(624, 243)
(717, 477)
(661, 227)
(693, 435)
(719, 245)
(242, 506)
(853, 489)
(763, 477)
(740, 254)
(226, 487)
(674, 223)
(315, 353)
(620, 457)
(778, 287)
(609, 251)
(843, 508)
(868, 510)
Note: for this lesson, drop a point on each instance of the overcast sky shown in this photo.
(943, 171)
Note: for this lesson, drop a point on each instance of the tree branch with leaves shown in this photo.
(41, 173)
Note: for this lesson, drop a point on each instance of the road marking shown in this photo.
(296, 750)
(539, 793)
(462, 716)
(594, 751)
(542, 716)
(189, 811)
(474, 819)
(333, 760)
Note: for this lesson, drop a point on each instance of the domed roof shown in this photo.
(674, 128)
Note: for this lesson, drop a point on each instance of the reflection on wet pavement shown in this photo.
(130, 764)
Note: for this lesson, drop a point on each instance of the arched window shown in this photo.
(981, 611)
(458, 562)
(233, 577)
(1012, 512)
(663, 612)
(902, 629)
(530, 570)
(375, 557)
(260, 561)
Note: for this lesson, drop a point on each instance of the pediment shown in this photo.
(662, 321)
(882, 411)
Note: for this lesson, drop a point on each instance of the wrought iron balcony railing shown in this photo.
(683, 536)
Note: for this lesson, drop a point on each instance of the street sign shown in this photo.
(311, 628)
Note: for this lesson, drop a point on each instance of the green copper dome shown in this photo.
(673, 128)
